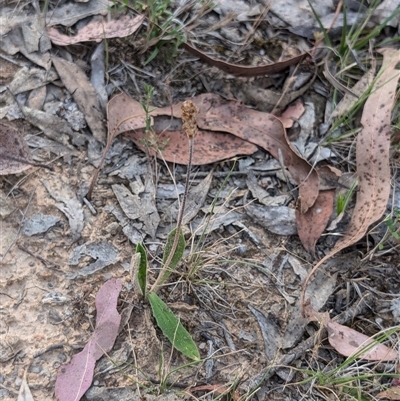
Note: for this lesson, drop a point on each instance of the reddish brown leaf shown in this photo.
(124, 114)
(311, 225)
(372, 157)
(218, 115)
(292, 113)
(348, 342)
(209, 146)
(15, 155)
(245, 71)
(98, 30)
(264, 130)
(76, 377)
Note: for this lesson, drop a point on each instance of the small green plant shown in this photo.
(393, 224)
(343, 200)
(173, 253)
(120, 5)
(163, 27)
(393, 229)
(151, 140)
(352, 56)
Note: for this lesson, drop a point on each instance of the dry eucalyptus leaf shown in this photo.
(15, 155)
(392, 393)
(372, 156)
(312, 224)
(348, 342)
(124, 114)
(127, 115)
(98, 30)
(77, 83)
(208, 149)
(74, 378)
(245, 71)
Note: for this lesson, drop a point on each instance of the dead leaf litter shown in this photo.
(74, 84)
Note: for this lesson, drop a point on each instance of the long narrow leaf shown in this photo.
(321, 25)
(180, 248)
(172, 328)
(142, 269)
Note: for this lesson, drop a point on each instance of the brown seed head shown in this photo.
(189, 113)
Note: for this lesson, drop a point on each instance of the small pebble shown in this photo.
(241, 250)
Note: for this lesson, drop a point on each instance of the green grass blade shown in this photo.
(142, 270)
(324, 31)
(343, 200)
(172, 328)
(178, 252)
(377, 30)
(343, 43)
(152, 55)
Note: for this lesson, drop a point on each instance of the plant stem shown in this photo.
(189, 113)
(179, 221)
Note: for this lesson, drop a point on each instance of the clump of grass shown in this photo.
(352, 56)
(164, 29)
(353, 379)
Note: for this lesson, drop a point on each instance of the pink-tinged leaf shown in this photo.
(292, 113)
(392, 393)
(124, 114)
(98, 30)
(75, 378)
(348, 342)
(372, 156)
